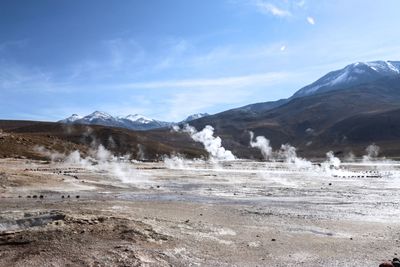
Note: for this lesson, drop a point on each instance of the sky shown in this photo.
(170, 59)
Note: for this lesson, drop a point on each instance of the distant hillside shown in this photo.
(135, 122)
(346, 110)
(343, 115)
(18, 138)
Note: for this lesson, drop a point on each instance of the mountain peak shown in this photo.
(138, 118)
(72, 118)
(131, 121)
(99, 115)
(353, 74)
(196, 116)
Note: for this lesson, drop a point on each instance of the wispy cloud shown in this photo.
(15, 77)
(269, 8)
(232, 81)
(311, 20)
(184, 103)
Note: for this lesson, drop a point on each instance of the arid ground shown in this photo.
(237, 213)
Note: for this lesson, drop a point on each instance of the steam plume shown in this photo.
(263, 144)
(372, 152)
(213, 145)
(288, 153)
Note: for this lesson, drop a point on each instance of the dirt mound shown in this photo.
(75, 240)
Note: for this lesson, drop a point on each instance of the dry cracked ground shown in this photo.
(235, 214)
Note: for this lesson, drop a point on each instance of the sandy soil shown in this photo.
(234, 214)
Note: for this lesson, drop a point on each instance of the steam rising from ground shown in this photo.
(213, 145)
(98, 159)
(52, 155)
(332, 160)
(288, 153)
(331, 166)
(175, 162)
(372, 153)
(261, 143)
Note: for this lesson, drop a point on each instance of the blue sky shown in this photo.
(170, 59)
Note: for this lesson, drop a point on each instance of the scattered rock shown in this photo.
(386, 264)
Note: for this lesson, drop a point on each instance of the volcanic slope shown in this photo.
(339, 120)
(22, 138)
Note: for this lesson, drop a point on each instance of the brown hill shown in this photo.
(19, 139)
(339, 120)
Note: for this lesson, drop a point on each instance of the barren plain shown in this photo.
(238, 213)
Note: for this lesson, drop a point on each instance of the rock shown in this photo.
(386, 264)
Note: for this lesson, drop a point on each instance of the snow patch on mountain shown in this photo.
(353, 74)
(132, 121)
(196, 116)
(98, 115)
(72, 118)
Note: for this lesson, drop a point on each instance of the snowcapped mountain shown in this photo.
(138, 118)
(140, 122)
(97, 118)
(351, 75)
(72, 118)
(196, 116)
(98, 115)
(132, 121)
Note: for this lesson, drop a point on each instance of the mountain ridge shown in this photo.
(313, 122)
(131, 121)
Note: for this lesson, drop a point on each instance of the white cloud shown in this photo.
(187, 102)
(311, 20)
(268, 8)
(14, 77)
(283, 48)
(231, 81)
(301, 3)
